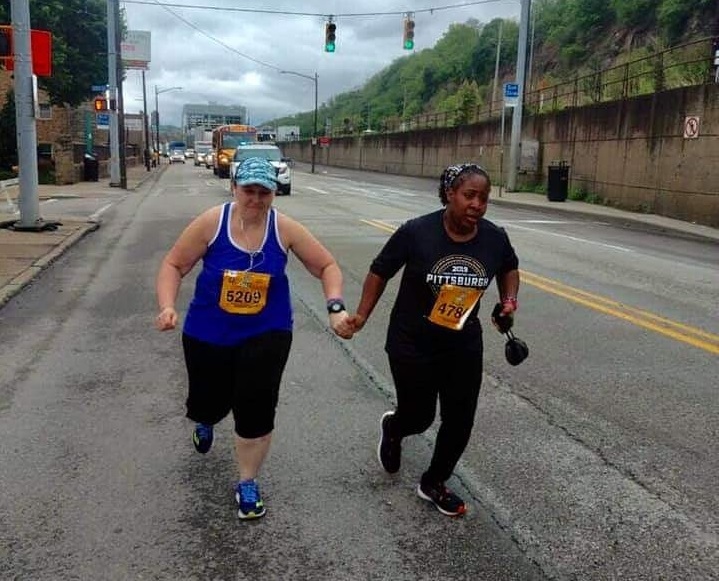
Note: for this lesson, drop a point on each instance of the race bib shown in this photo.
(453, 306)
(244, 293)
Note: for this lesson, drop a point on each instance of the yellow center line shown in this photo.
(639, 317)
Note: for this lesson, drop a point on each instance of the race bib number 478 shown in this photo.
(244, 293)
(454, 305)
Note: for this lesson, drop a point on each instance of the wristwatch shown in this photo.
(335, 306)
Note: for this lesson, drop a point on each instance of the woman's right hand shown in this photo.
(167, 319)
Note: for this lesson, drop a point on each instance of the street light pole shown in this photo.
(157, 113)
(312, 78)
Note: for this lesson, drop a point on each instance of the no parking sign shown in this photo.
(691, 127)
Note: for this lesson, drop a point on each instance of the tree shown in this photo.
(79, 46)
(635, 13)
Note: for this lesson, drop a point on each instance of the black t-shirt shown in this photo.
(432, 259)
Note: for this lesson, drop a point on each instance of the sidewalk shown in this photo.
(649, 222)
(23, 255)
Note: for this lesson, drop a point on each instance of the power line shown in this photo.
(207, 34)
(321, 14)
(168, 6)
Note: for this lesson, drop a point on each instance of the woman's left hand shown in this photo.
(341, 325)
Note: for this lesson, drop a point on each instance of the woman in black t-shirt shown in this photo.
(434, 338)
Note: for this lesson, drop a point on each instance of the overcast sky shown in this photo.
(207, 71)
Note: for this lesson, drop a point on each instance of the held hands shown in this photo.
(167, 319)
(345, 325)
(340, 325)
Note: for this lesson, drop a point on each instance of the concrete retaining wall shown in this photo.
(631, 153)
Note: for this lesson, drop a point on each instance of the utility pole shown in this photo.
(157, 121)
(112, 58)
(514, 148)
(25, 118)
(145, 122)
(314, 140)
(120, 101)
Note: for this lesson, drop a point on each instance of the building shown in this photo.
(209, 116)
(65, 134)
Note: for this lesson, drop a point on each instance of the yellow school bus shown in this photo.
(225, 140)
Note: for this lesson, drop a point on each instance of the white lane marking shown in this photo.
(398, 192)
(319, 191)
(546, 222)
(573, 238)
(49, 201)
(96, 215)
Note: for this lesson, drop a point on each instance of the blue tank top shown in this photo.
(225, 266)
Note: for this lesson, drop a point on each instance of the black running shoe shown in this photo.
(202, 437)
(389, 449)
(446, 501)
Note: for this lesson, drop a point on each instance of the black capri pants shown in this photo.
(455, 379)
(244, 379)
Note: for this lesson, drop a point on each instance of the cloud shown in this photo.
(182, 56)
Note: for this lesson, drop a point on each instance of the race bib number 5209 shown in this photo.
(454, 305)
(244, 293)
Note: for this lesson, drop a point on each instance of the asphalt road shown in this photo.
(595, 459)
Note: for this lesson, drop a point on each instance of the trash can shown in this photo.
(91, 168)
(557, 181)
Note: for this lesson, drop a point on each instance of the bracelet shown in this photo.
(512, 301)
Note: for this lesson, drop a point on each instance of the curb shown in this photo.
(148, 176)
(28, 275)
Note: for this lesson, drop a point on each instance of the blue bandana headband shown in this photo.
(453, 171)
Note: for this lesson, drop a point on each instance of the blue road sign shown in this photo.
(98, 88)
(103, 120)
(511, 90)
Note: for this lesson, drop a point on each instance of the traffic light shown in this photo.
(6, 42)
(408, 36)
(100, 104)
(330, 36)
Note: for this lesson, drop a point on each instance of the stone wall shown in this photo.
(632, 153)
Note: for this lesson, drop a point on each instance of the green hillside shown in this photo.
(571, 37)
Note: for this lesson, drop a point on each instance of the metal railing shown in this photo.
(683, 65)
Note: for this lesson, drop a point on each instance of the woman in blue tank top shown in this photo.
(238, 329)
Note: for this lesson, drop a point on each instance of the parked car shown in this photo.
(177, 156)
(271, 153)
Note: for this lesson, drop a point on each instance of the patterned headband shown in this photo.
(453, 171)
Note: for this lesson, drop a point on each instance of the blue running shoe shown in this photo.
(202, 438)
(247, 495)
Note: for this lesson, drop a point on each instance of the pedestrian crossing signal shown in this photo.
(408, 36)
(100, 104)
(330, 36)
